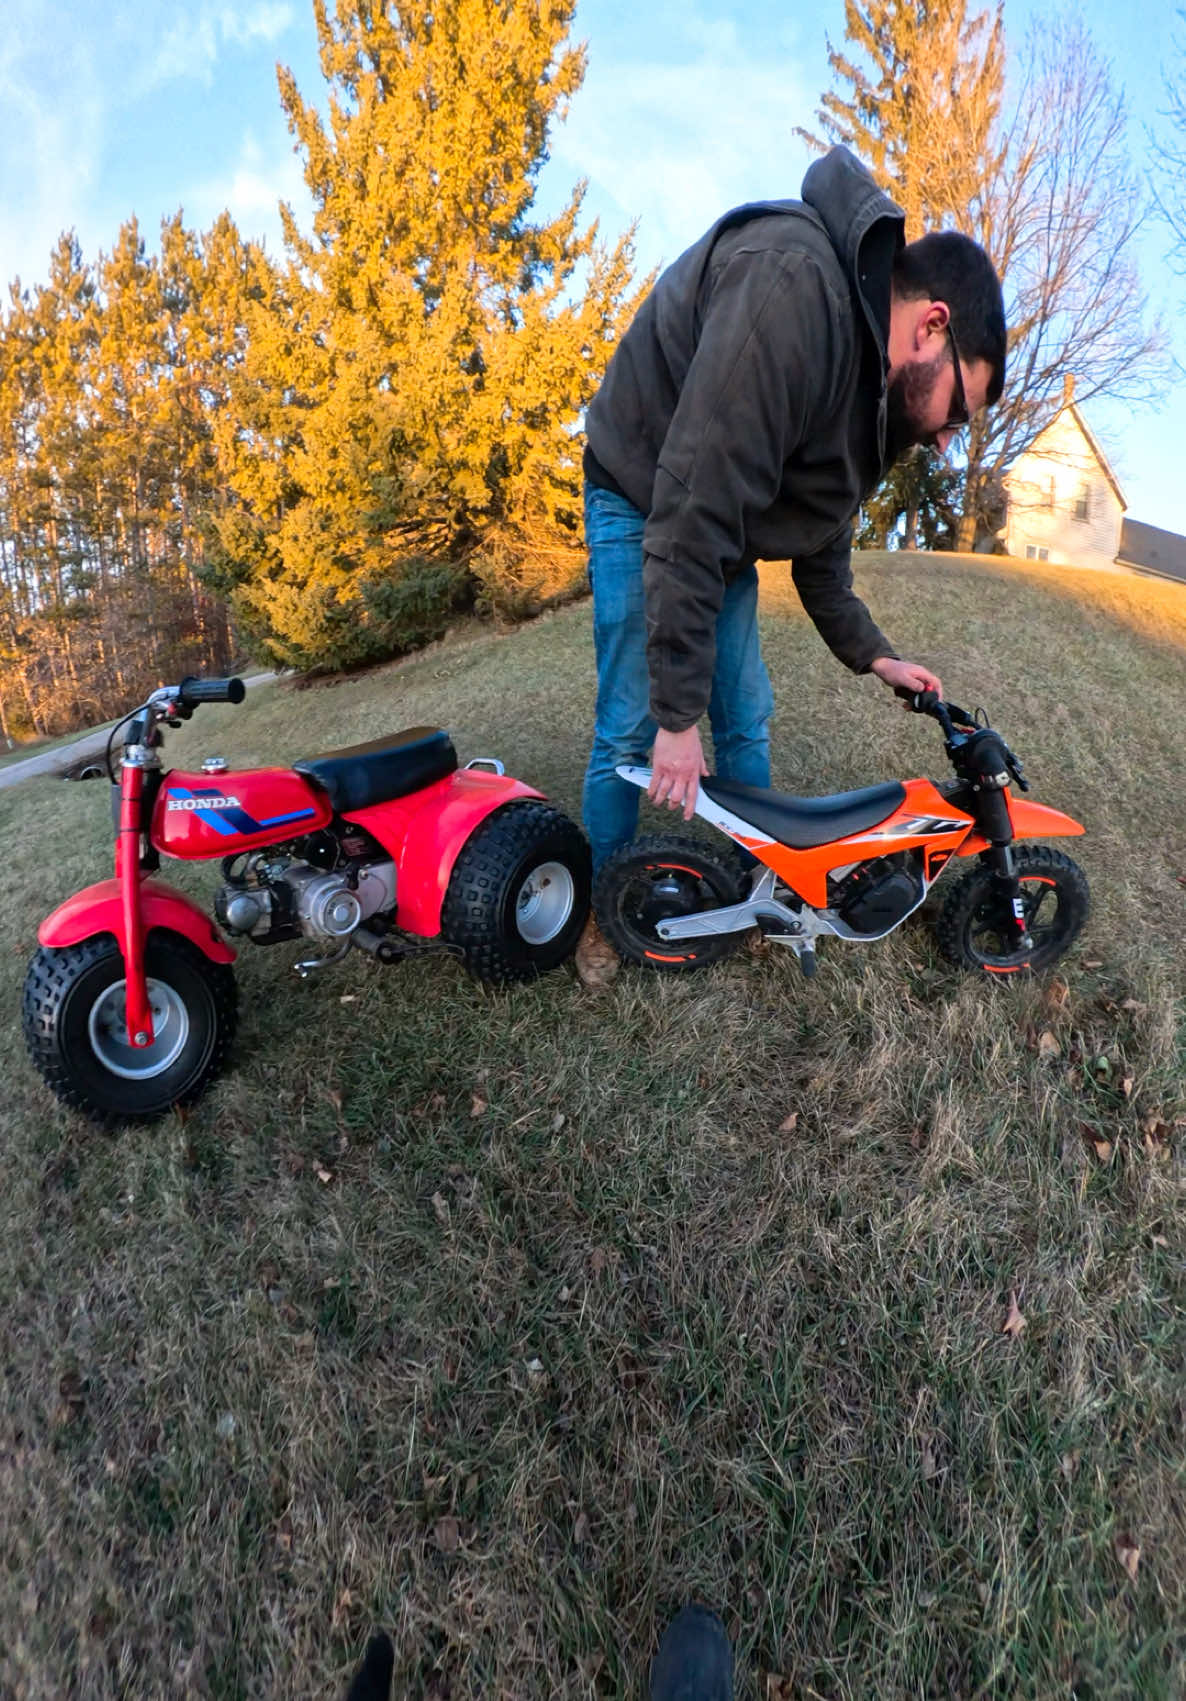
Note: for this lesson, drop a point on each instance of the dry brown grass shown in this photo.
(514, 1384)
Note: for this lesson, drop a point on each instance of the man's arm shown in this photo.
(824, 584)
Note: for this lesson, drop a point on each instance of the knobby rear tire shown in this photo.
(659, 878)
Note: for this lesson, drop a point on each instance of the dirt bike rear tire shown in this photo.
(652, 879)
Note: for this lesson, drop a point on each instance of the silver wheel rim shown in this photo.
(544, 903)
(108, 1030)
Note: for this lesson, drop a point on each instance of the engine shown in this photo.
(874, 896)
(271, 896)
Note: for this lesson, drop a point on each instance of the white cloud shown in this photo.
(251, 192)
(194, 41)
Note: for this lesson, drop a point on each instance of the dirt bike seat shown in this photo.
(804, 822)
(389, 767)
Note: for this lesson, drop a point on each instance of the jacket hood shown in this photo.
(864, 226)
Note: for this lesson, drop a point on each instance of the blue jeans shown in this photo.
(739, 708)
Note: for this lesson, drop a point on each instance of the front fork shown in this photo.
(997, 823)
(127, 872)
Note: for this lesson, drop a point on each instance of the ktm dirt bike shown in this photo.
(855, 865)
(389, 848)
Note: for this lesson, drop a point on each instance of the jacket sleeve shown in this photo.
(772, 340)
(824, 584)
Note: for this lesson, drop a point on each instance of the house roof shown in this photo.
(1155, 550)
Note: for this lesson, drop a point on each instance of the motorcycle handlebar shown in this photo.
(193, 691)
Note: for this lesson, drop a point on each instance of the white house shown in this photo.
(1064, 501)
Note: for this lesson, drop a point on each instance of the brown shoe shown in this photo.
(597, 961)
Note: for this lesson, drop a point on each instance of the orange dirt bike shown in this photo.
(855, 865)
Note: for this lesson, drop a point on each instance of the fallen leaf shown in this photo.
(580, 1530)
(348, 998)
(1156, 1149)
(1126, 1086)
(930, 1465)
(335, 1098)
(478, 1105)
(1056, 994)
(789, 1123)
(598, 1260)
(1129, 1555)
(472, 1484)
(918, 1138)
(441, 1206)
(446, 1533)
(284, 1534)
(341, 1607)
(778, 1688)
(1102, 1149)
(1014, 1322)
(1069, 1464)
(1048, 1046)
(1093, 962)
(295, 1163)
(1134, 1006)
(1159, 1240)
(324, 1175)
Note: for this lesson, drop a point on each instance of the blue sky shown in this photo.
(689, 106)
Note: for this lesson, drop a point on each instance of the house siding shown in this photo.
(1043, 486)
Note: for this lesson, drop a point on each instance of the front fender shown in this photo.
(425, 834)
(1030, 821)
(99, 909)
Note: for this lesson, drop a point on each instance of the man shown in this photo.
(767, 383)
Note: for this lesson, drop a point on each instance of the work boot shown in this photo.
(695, 1659)
(597, 961)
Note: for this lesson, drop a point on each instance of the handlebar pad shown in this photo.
(193, 691)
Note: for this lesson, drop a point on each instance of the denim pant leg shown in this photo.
(623, 729)
(742, 701)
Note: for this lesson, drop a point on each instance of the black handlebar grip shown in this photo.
(922, 702)
(194, 691)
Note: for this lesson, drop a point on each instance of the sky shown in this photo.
(110, 108)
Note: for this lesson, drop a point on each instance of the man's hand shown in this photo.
(677, 763)
(906, 676)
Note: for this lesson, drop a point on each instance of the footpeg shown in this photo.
(807, 959)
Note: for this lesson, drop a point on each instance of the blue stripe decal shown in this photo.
(293, 815)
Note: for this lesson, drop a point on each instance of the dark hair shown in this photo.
(949, 267)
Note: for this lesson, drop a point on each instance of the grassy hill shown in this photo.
(510, 1321)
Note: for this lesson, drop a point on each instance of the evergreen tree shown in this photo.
(916, 506)
(921, 106)
(416, 372)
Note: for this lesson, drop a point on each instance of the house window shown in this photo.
(1036, 552)
(1082, 500)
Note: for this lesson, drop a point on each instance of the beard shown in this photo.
(906, 401)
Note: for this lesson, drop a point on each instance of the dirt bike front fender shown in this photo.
(425, 834)
(99, 909)
(1030, 821)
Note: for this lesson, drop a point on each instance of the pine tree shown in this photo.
(922, 109)
(416, 371)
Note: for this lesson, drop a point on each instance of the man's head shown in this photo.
(946, 341)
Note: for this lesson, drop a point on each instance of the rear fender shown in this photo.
(425, 833)
(99, 909)
(1030, 821)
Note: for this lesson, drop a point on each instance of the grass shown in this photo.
(510, 1321)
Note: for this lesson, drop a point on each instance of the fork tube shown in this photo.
(127, 870)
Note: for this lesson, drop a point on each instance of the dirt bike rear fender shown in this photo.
(425, 833)
(1030, 821)
(99, 909)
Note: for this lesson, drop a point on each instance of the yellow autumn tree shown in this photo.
(403, 429)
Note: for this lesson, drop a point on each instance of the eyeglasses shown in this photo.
(959, 414)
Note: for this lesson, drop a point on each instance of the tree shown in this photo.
(917, 503)
(924, 110)
(1047, 187)
(415, 373)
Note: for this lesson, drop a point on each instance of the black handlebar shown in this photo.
(193, 691)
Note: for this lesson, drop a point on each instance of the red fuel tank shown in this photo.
(207, 815)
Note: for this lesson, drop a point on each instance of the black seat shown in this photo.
(383, 769)
(804, 822)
